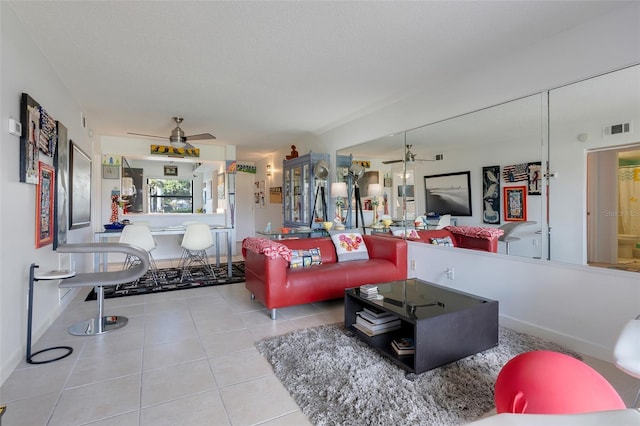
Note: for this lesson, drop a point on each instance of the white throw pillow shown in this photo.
(349, 246)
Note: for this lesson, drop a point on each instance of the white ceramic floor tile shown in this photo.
(227, 342)
(97, 401)
(201, 409)
(113, 343)
(36, 380)
(178, 381)
(168, 354)
(30, 411)
(239, 366)
(100, 368)
(257, 401)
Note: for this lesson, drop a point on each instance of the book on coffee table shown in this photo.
(404, 346)
(372, 333)
(375, 327)
(381, 319)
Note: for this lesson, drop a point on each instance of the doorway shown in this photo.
(613, 207)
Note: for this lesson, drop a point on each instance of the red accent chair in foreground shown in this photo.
(546, 382)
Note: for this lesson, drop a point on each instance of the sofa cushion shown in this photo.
(305, 258)
(349, 246)
(446, 241)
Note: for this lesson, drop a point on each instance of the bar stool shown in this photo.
(197, 239)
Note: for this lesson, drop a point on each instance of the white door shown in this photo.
(245, 207)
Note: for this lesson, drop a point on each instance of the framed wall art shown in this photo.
(534, 172)
(515, 203)
(29, 153)
(449, 193)
(171, 170)
(491, 194)
(80, 187)
(45, 200)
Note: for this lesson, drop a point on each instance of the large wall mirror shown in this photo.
(478, 146)
(587, 212)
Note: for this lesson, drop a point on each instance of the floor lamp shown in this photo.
(356, 171)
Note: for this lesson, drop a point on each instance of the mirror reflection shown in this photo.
(593, 126)
(465, 167)
(587, 133)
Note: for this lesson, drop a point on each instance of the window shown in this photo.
(170, 195)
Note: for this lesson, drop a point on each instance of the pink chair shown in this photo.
(546, 382)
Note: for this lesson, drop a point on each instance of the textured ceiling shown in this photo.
(261, 75)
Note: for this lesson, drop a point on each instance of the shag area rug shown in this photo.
(169, 280)
(337, 379)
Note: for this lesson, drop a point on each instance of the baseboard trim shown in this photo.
(571, 342)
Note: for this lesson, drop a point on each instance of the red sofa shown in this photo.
(469, 237)
(271, 281)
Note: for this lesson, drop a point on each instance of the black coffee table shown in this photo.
(446, 324)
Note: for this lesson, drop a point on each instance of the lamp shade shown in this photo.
(339, 189)
(374, 189)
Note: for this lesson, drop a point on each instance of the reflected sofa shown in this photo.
(469, 237)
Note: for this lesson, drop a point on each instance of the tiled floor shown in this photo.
(185, 358)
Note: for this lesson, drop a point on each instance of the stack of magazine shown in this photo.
(370, 291)
(403, 346)
(373, 323)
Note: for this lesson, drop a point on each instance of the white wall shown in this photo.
(25, 70)
(580, 307)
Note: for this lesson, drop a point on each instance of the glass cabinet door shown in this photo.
(298, 200)
(287, 202)
(300, 190)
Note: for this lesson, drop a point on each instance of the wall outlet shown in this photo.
(450, 272)
(412, 265)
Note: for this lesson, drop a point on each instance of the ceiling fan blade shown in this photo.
(200, 137)
(392, 161)
(147, 136)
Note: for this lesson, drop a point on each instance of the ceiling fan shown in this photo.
(409, 157)
(178, 138)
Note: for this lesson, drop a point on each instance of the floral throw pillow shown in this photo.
(349, 246)
(305, 258)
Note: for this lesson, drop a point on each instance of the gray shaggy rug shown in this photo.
(337, 379)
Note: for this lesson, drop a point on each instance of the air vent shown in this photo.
(616, 129)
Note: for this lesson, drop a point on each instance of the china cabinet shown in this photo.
(303, 204)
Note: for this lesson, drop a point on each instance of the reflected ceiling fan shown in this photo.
(178, 138)
(409, 157)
